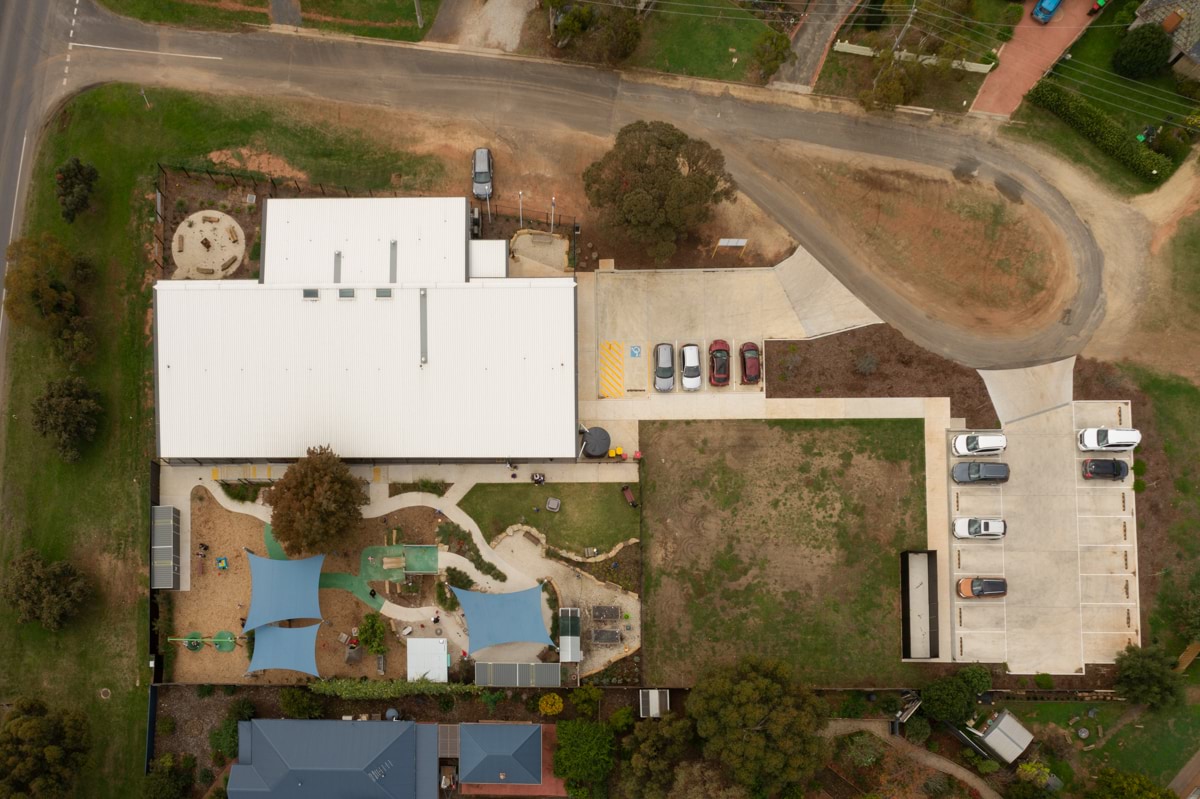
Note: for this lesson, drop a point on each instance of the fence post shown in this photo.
(235, 180)
(274, 188)
(370, 193)
(160, 169)
(321, 186)
(296, 183)
(346, 190)
(210, 176)
(185, 172)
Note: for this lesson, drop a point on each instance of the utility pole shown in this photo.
(911, 12)
(420, 19)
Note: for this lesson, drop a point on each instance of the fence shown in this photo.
(504, 220)
(904, 55)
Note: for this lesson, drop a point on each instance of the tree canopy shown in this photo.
(655, 749)
(1146, 675)
(759, 724)
(694, 779)
(41, 751)
(316, 502)
(657, 184)
(1142, 52)
(67, 413)
(1113, 784)
(952, 698)
(584, 756)
(38, 294)
(74, 181)
(48, 593)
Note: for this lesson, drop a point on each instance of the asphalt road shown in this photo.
(513, 94)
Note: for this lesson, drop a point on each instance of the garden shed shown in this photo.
(164, 547)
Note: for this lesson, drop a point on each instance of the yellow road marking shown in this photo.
(612, 369)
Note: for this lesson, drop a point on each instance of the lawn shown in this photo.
(848, 75)
(780, 538)
(385, 19)
(1185, 262)
(96, 510)
(180, 12)
(1165, 741)
(693, 42)
(592, 514)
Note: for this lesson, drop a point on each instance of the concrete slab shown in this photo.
(1109, 619)
(977, 503)
(980, 616)
(1105, 561)
(1106, 504)
(978, 560)
(1107, 589)
(1103, 647)
(1043, 580)
(822, 304)
(973, 647)
(1103, 530)
(1102, 414)
(1022, 393)
(1040, 642)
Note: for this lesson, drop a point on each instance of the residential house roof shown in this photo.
(1186, 34)
(500, 754)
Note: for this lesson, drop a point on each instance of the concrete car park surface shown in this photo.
(1070, 554)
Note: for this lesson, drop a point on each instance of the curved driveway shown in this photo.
(514, 94)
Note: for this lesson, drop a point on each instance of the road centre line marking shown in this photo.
(147, 52)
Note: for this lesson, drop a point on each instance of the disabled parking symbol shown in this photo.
(635, 351)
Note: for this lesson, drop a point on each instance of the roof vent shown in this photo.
(337, 267)
(503, 775)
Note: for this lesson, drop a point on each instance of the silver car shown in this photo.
(979, 528)
(689, 358)
(481, 173)
(664, 367)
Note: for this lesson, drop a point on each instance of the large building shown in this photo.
(377, 327)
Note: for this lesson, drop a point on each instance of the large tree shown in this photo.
(1113, 784)
(1146, 675)
(74, 181)
(696, 779)
(952, 698)
(316, 502)
(36, 283)
(655, 748)
(584, 756)
(67, 413)
(657, 184)
(41, 751)
(48, 593)
(759, 724)
(1142, 52)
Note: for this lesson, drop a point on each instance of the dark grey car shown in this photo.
(980, 472)
(664, 367)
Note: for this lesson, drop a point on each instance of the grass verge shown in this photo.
(592, 514)
(393, 19)
(1185, 262)
(179, 12)
(702, 41)
(848, 75)
(96, 510)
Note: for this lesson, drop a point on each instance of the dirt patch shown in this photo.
(750, 529)
(969, 252)
(227, 5)
(257, 161)
(875, 361)
(623, 568)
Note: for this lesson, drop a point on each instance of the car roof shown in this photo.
(481, 155)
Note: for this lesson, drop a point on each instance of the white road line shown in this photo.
(980, 632)
(1111, 604)
(12, 223)
(1078, 553)
(147, 52)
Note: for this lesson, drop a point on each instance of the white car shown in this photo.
(1108, 439)
(979, 528)
(689, 367)
(979, 444)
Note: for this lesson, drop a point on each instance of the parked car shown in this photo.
(975, 527)
(481, 173)
(1045, 10)
(664, 367)
(982, 587)
(1105, 469)
(689, 367)
(980, 472)
(718, 363)
(979, 444)
(751, 363)
(1108, 439)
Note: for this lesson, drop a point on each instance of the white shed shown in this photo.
(428, 659)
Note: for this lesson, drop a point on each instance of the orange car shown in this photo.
(982, 587)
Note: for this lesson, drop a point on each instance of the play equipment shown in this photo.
(224, 641)
(222, 564)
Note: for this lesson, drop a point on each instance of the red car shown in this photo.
(751, 363)
(718, 363)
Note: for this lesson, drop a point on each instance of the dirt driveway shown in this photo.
(494, 24)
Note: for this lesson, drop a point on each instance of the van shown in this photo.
(1045, 9)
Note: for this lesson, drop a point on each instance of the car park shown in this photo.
(751, 363)
(978, 444)
(1105, 469)
(982, 587)
(1108, 439)
(979, 472)
(982, 528)
(718, 363)
(481, 173)
(689, 367)
(664, 367)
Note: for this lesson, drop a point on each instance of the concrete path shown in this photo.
(1021, 393)
(879, 727)
(821, 302)
(1188, 777)
(811, 43)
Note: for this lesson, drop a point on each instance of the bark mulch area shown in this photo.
(624, 568)
(875, 361)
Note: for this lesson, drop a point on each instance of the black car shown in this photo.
(980, 472)
(1105, 469)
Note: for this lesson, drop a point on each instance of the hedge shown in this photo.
(1102, 130)
(347, 688)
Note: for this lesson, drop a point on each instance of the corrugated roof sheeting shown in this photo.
(487, 258)
(569, 649)
(255, 372)
(518, 675)
(303, 235)
(164, 547)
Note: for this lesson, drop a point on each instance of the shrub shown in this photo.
(241, 709)
(917, 730)
(224, 739)
(205, 777)
(446, 703)
(298, 703)
(1174, 143)
(50, 594)
(864, 750)
(854, 706)
(1145, 675)
(586, 700)
(204, 691)
(876, 17)
(1103, 131)
(889, 703)
(165, 725)
(618, 34)
(772, 50)
(372, 634)
(229, 690)
(1139, 467)
(1142, 52)
(348, 688)
(1043, 681)
(460, 542)
(584, 756)
(1139, 485)
(1010, 18)
(550, 705)
(492, 700)
(68, 414)
(988, 766)
(939, 784)
(621, 720)
(74, 181)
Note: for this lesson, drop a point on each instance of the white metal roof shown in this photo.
(487, 258)
(1007, 737)
(427, 658)
(301, 237)
(247, 371)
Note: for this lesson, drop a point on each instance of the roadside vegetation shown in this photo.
(713, 39)
(592, 514)
(182, 12)
(93, 512)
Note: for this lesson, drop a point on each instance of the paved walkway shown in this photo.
(1021, 393)
(811, 43)
(879, 727)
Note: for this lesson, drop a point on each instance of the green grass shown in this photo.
(1062, 712)
(177, 12)
(1040, 127)
(399, 17)
(96, 510)
(783, 542)
(699, 46)
(592, 514)
(1185, 262)
(1166, 741)
(848, 75)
